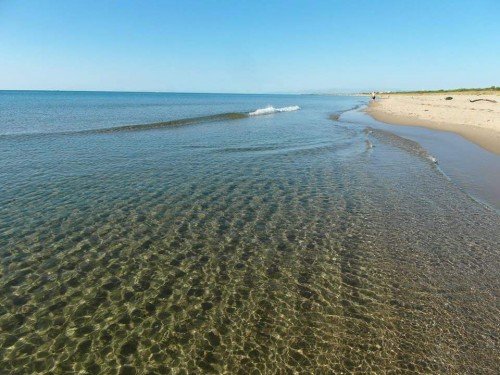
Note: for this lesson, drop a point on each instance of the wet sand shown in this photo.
(479, 121)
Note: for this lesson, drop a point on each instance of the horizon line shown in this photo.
(189, 92)
(319, 92)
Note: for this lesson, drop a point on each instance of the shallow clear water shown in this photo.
(267, 244)
(469, 166)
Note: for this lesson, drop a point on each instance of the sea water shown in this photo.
(177, 233)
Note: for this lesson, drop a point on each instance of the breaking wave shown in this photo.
(198, 120)
(167, 124)
(270, 110)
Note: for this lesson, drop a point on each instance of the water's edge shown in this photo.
(394, 130)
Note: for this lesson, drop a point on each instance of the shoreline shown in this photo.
(474, 169)
(478, 122)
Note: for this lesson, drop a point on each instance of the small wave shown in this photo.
(164, 124)
(336, 116)
(173, 123)
(402, 143)
(270, 110)
(140, 127)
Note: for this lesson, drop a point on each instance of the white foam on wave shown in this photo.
(270, 109)
(432, 158)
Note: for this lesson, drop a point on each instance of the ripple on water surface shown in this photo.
(256, 259)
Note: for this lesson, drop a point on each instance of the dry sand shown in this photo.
(479, 122)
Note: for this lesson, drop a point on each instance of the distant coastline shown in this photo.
(482, 90)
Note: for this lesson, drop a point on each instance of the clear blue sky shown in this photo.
(249, 46)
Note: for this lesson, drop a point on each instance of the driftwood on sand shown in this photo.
(488, 100)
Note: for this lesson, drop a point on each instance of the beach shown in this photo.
(477, 121)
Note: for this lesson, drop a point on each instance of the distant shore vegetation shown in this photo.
(484, 90)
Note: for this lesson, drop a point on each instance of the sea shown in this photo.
(237, 234)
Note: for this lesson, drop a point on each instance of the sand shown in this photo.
(478, 122)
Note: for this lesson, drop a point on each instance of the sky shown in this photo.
(249, 46)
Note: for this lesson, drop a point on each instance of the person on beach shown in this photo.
(373, 95)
